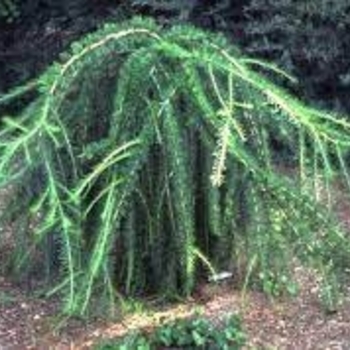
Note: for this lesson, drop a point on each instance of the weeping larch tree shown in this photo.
(148, 159)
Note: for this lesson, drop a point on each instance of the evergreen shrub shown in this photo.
(147, 160)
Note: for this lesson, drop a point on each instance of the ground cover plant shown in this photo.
(194, 333)
(149, 158)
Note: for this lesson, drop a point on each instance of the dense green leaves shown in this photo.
(194, 333)
(149, 158)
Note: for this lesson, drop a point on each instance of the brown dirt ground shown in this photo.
(300, 323)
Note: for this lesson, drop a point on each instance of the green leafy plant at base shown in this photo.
(147, 159)
(195, 333)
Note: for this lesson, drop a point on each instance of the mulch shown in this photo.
(298, 323)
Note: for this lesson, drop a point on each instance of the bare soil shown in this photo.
(300, 323)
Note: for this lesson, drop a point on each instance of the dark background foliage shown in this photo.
(307, 38)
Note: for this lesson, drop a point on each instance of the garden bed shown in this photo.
(300, 323)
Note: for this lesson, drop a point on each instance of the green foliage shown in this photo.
(307, 39)
(8, 10)
(195, 333)
(182, 9)
(7, 299)
(148, 159)
(290, 33)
